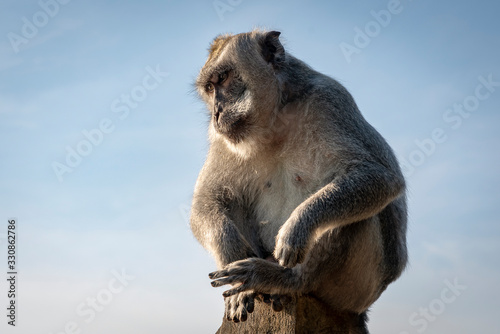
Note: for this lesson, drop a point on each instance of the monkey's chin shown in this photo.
(240, 145)
(235, 131)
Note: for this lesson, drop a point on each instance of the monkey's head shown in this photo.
(240, 85)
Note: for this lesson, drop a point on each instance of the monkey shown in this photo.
(299, 194)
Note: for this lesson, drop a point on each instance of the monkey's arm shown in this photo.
(219, 235)
(217, 223)
(360, 193)
(212, 223)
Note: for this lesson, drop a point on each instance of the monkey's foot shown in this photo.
(239, 305)
(276, 301)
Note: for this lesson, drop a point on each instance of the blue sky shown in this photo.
(123, 207)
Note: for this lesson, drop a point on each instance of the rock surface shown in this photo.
(302, 315)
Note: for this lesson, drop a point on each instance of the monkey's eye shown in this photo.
(222, 77)
(209, 87)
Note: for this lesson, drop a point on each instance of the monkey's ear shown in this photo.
(272, 50)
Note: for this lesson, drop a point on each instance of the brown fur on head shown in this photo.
(217, 45)
(240, 85)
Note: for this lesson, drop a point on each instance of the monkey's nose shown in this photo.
(217, 112)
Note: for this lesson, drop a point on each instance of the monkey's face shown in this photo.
(229, 104)
(239, 87)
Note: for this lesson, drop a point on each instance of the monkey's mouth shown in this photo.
(233, 128)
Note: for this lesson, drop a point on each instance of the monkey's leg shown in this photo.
(342, 269)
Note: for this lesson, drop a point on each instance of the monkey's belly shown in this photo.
(273, 207)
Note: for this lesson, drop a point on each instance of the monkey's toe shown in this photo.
(276, 303)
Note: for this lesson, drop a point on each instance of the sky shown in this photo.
(103, 136)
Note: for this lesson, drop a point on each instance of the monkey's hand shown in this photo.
(291, 245)
(231, 246)
(255, 274)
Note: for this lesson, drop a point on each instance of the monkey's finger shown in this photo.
(284, 258)
(250, 303)
(243, 315)
(224, 281)
(300, 256)
(292, 259)
(218, 274)
(235, 290)
(234, 310)
(227, 312)
(280, 255)
(288, 258)
(230, 292)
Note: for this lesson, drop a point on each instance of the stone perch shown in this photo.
(303, 315)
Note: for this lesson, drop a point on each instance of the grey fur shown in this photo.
(294, 173)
